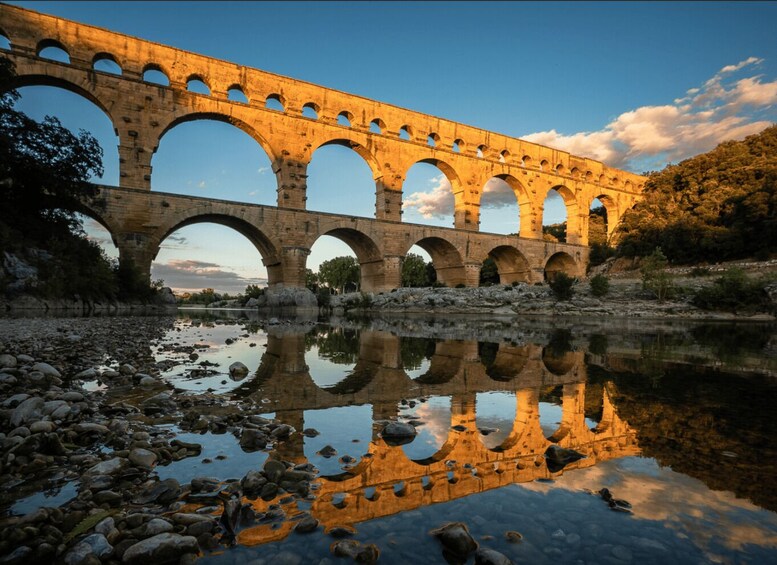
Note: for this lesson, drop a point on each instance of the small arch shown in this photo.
(311, 110)
(235, 93)
(367, 253)
(575, 173)
(275, 102)
(432, 139)
(5, 43)
(345, 119)
(589, 176)
(458, 146)
(196, 84)
(544, 165)
(446, 259)
(560, 169)
(511, 264)
(560, 262)
(377, 126)
(406, 133)
(504, 156)
(481, 152)
(525, 161)
(154, 74)
(53, 50)
(106, 63)
(615, 181)
(602, 179)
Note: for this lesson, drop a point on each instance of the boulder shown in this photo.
(160, 549)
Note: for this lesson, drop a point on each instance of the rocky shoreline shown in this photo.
(70, 412)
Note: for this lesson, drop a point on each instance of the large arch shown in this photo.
(269, 249)
(447, 260)
(611, 211)
(460, 212)
(526, 227)
(351, 183)
(238, 169)
(511, 264)
(367, 252)
(572, 213)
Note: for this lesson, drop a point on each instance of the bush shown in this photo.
(733, 292)
(600, 285)
(654, 275)
(324, 297)
(561, 285)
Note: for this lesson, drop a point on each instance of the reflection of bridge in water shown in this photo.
(387, 481)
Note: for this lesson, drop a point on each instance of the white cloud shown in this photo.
(201, 184)
(437, 202)
(723, 108)
(262, 170)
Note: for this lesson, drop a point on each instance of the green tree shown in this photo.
(555, 232)
(414, 271)
(311, 280)
(600, 285)
(561, 285)
(253, 291)
(338, 272)
(655, 278)
(489, 273)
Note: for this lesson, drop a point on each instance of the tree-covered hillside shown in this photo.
(717, 206)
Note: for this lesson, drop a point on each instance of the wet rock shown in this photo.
(237, 371)
(18, 556)
(143, 458)
(42, 427)
(558, 457)
(159, 549)
(484, 556)
(46, 369)
(513, 536)
(273, 470)
(127, 369)
(87, 374)
(282, 431)
(7, 361)
(109, 467)
(455, 537)
(269, 491)
(355, 550)
(306, 525)
(398, 433)
(310, 432)
(157, 526)
(252, 439)
(94, 545)
(341, 531)
(161, 403)
(91, 428)
(27, 411)
(253, 482)
(327, 451)
(108, 497)
(162, 492)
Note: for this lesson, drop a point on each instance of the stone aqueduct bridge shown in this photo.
(142, 113)
(387, 481)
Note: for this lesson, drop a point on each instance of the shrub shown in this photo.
(600, 285)
(323, 297)
(654, 275)
(561, 285)
(733, 291)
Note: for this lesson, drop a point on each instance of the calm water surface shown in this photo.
(676, 419)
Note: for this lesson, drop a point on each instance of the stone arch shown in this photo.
(378, 124)
(34, 79)
(158, 68)
(345, 116)
(46, 43)
(105, 56)
(367, 252)
(509, 362)
(573, 215)
(611, 207)
(268, 247)
(511, 264)
(194, 116)
(309, 108)
(560, 262)
(525, 209)
(236, 93)
(460, 212)
(275, 99)
(195, 78)
(360, 150)
(447, 260)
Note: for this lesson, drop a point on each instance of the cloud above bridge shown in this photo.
(725, 107)
(190, 275)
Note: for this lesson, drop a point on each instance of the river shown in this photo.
(675, 419)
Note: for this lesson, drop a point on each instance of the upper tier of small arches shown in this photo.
(241, 85)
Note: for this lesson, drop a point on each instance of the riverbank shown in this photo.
(625, 298)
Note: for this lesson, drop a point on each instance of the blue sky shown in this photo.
(635, 85)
